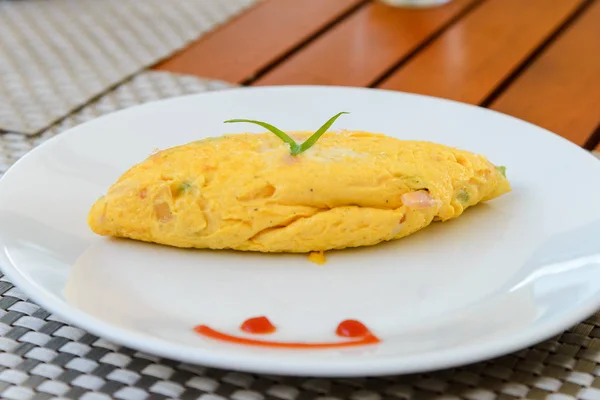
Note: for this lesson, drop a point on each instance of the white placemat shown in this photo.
(56, 55)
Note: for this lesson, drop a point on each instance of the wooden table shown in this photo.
(538, 60)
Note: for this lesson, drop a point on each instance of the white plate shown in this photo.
(505, 275)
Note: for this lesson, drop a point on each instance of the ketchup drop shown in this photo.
(258, 325)
(352, 328)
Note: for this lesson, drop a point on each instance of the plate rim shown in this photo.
(296, 366)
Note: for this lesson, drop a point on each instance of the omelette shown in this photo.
(249, 192)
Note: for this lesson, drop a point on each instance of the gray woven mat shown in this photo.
(42, 357)
(147, 86)
(56, 55)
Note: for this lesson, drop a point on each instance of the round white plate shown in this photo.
(505, 275)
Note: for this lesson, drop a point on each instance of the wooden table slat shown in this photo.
(364, 46)
(473, 57)
(560, 91)
(239, 49)
(596, 137)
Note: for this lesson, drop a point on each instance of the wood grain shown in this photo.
(560, 91)
(238, 50)
(595, 138)
(364, 46)
(471, 58)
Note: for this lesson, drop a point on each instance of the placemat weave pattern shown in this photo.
(56, 55)
(147, 86)
(42, 357)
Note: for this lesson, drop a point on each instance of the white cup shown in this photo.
(414, 3)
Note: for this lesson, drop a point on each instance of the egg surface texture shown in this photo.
(246, 192)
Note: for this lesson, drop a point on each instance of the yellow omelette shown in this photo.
(247, 192)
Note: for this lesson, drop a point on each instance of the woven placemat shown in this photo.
(56, 55)
(42, 357)
(144, 87)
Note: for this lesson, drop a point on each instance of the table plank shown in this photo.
(560, 91)
(595, 138)
(474, 56)
(364, 46)
(241, 48)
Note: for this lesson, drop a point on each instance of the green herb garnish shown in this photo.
(463, 196)
(502, 170)
(180, 188)
(295, 148)
(184, 187)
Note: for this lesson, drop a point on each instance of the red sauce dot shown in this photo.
(352, 328)
(258, 325)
